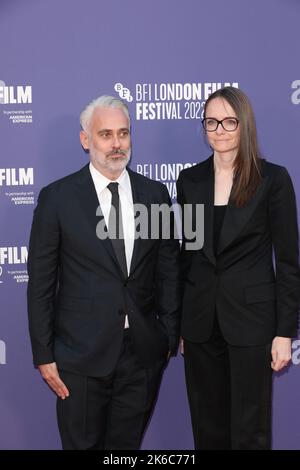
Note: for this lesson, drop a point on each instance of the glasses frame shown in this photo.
(220, 122)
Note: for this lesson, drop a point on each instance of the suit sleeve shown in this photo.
(167, 282)
(284, 229)
(43, 260)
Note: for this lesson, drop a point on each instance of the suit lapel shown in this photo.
(204, 194)
(90, 203)
(139, 196)
(235, 218)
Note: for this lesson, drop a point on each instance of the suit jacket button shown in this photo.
(125, 284)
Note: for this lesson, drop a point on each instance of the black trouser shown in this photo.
(109, 412)
(229, 390)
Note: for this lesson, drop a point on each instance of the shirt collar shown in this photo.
(101, 182)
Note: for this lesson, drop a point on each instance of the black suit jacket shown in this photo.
(254, 303)
(77, 294)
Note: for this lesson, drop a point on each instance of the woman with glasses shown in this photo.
(240, 302)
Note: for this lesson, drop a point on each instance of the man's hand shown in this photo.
(281, 352)
(181, 346)
(50, 374)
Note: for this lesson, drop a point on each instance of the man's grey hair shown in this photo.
(103, 101)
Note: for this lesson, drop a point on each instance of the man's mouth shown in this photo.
(117, 154)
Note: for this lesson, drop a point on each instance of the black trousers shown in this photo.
(109, 412)
(229, 391)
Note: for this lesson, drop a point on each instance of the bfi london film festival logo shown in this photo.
(13, 261)
(15, 101)
(295, 96)
(176, 101)
(166, 173)
(14, 178)
(168, 101)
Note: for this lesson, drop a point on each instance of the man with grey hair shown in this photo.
(103, 311)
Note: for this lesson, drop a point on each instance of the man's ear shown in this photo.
(84, 139)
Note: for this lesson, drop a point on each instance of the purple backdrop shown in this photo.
(55, 57)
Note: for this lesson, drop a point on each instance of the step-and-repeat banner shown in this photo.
(164, 58)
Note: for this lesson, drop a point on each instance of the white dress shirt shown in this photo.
(126, 201)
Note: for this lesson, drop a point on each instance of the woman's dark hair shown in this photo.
(247, 164)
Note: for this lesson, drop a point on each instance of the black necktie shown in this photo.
(115, 227)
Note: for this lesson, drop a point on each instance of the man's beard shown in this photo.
(112, 163)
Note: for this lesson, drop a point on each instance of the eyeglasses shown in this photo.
(229, 124)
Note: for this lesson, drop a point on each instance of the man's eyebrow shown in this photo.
(110, 130)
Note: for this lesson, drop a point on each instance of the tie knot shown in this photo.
(113, 187)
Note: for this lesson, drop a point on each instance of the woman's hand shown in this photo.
(281, 352)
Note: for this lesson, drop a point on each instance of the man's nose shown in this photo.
(116, 141)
